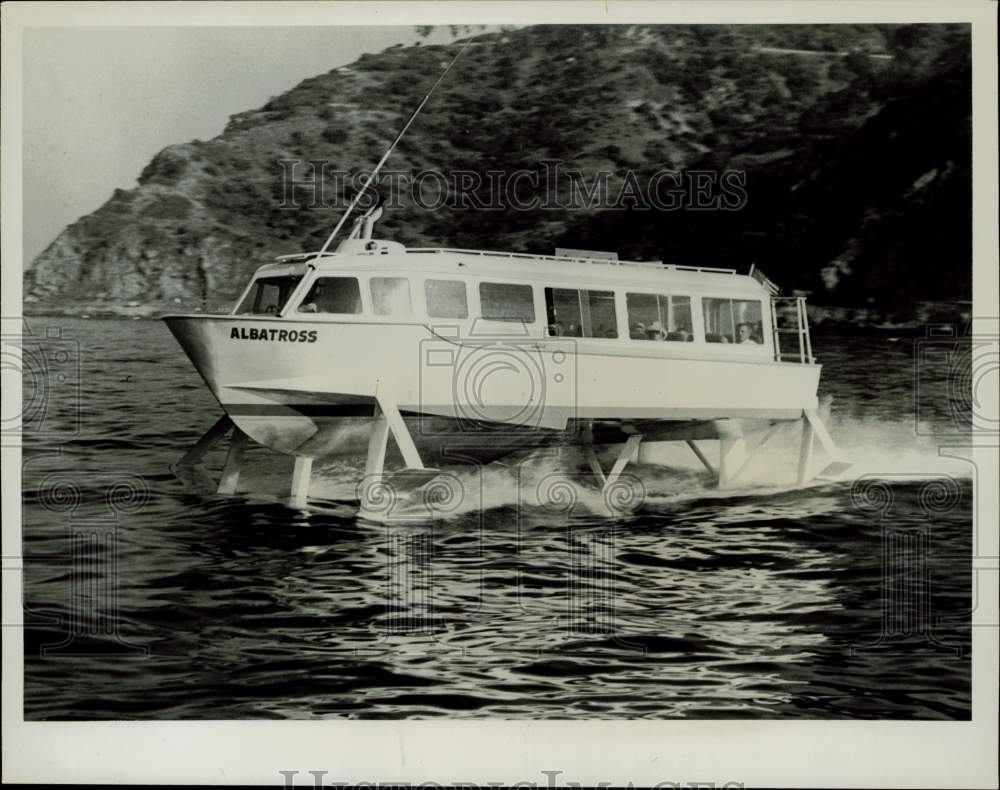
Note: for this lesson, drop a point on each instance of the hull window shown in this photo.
(507, 302)
(268, 295)
(446, 299)
(333, 295)
(659, 317)
(733, 321)
(391, 296)
(573, 313)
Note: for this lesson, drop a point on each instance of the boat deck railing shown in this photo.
(569, 259)
(789, 320)
(522, 256)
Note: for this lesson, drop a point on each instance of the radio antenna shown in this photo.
(385, 156)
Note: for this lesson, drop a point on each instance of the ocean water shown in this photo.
(530, 595)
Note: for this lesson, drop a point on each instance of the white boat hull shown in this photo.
(321, 391)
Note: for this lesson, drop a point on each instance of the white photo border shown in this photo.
(754, 753)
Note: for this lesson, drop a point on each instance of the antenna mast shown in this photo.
(385, 156)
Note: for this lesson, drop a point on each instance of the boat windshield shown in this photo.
(268, 295)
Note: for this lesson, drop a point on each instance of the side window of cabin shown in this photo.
(268, 295)
(602, 320)
(446, 299)
(573, 313)
(659, 317)
(507, 302)
(733, 321)
(391, 296)
(333, 295)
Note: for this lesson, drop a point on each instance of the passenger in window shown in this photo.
(308, 308)
(655, 331)
(745, 334)
(559, 328)
(637, 331)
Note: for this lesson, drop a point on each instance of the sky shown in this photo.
(99, 102)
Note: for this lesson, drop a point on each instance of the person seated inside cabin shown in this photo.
(637, 331)
(655, 331)
(679, 335)
(559, 328)
(309, 307)
(745, 334)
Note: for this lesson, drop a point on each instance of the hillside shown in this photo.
(855, 141)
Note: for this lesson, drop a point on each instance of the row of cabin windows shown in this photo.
(390, 296)
(570, 312)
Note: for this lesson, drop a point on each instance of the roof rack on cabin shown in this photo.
(301, 256)
(568, 259)
(531, 257)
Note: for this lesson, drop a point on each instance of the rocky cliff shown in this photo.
(853, 143)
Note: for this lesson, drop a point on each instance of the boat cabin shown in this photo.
(608, 305)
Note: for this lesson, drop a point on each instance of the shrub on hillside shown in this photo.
(166, 168)
(335, 135)
(168, 207)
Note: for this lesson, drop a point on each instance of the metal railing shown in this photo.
(789, 318)
(520, 256)
(568, 259)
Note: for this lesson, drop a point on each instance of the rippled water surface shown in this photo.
(846, 599)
